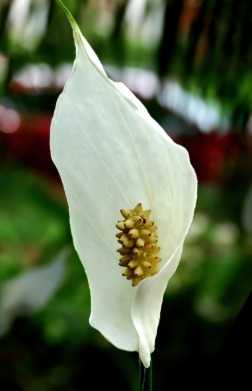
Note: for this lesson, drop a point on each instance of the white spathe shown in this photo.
(110, 155)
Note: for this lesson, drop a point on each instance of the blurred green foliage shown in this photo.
(32, 223)
(205, 44)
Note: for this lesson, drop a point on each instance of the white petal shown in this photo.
(30, 291)
(147, 306)
(110, 155)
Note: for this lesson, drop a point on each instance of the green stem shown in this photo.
(145, 377)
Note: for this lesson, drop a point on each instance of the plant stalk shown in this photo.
(145, 377)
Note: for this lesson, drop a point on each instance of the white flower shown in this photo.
(30, 292)
(110, 155)
(27, 21)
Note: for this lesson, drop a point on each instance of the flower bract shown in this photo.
(111, 156)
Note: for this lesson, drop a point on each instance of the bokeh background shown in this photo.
(190, 62)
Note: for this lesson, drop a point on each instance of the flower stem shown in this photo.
(145, 377)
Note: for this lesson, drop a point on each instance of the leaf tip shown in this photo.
(72, 21)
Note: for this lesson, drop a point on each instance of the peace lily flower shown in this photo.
(29, 292)
(112, 156)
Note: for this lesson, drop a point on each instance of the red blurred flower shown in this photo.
(30, 142)
(211, 154)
